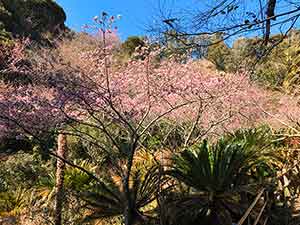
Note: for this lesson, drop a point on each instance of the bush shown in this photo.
(32, 18)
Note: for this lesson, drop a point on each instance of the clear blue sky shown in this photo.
(136, 14)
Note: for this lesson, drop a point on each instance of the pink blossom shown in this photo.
(137, 92)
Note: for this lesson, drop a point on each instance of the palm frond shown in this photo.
(102, 204)
(219, 172)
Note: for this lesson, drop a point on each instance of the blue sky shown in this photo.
(136, 14)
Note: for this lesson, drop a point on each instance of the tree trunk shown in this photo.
(270, 13)
(59, 186)
(128, 215)
(129, 212)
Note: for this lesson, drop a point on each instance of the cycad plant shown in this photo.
(220, 177)
(107, 200)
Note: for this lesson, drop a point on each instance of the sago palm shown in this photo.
(217, 175)
(108, 200)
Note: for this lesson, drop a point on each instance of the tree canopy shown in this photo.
(37, 19)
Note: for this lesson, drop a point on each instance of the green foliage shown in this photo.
(174, 48)
(291, 81)
(213, 182)
(244, 53)
(108, 199)
(12, 203)
(130, 45)
(275, 65)
(12, 145)
(219, 53)
(214, 167)
(74, 181)
(5, 37)
(219, 173)
(37, 19)
(163, 135)
(78, 180)
(23, 169)
(93, 145)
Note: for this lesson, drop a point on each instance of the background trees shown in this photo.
(149, 137)
(39, 20)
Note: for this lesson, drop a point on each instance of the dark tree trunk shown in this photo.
(128, 215)
(270, 14)
(129, 209)
(59, 186)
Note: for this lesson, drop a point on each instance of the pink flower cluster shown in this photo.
(133, 93)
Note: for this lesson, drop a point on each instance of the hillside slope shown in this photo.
(38, 19)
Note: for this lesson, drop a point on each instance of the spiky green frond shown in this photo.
(218, 173)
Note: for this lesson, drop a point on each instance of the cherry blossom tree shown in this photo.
(91, 89)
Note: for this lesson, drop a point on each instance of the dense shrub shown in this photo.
(38, 19)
